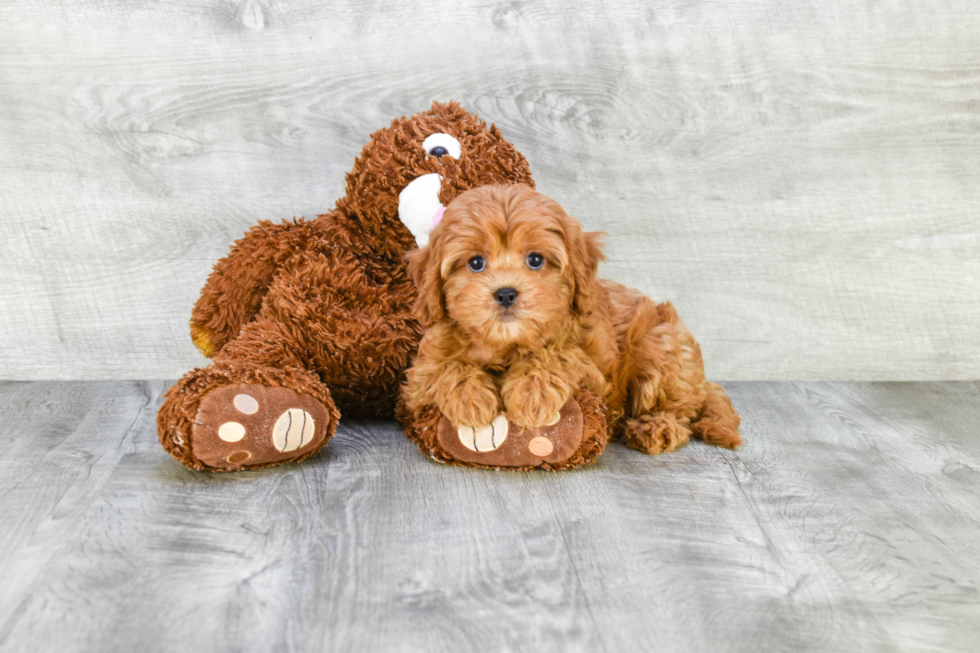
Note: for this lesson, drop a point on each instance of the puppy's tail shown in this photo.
(718, 422)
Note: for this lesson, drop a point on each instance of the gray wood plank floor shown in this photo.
(850, 521)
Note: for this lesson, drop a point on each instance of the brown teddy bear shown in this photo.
(306, 320)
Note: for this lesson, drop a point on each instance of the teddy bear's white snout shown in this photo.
(419, 207)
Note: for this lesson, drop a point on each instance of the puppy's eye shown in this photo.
(535, 261)
(477, 264)
(439, 145)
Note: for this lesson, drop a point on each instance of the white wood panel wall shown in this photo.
(801, 177)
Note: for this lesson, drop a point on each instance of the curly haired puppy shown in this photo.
(518, 322)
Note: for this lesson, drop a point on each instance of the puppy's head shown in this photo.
(507, 265)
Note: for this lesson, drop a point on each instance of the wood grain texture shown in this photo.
(801, 178)
(847, 522)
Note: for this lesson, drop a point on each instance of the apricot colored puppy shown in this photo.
(517, 322)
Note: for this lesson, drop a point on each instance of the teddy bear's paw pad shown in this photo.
(244, 425)
(484, 438)
(505, 444)
(540, 446)
(294, 429)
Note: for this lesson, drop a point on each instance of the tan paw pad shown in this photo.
(540, 446)
(246, 404)
(484, 438)
(231, 431)
(293, 429)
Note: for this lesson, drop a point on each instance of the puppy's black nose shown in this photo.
(505, 297)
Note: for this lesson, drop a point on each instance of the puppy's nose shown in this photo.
(505, 297)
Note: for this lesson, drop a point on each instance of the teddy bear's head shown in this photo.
(409, 172)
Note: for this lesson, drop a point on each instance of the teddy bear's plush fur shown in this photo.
(308, 319)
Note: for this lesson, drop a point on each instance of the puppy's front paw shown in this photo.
(535, 399)
(472, 402)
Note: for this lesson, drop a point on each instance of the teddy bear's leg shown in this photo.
(576, 438)
(234, 291)
(257, 405)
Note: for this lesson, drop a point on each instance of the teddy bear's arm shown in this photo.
(236, 287)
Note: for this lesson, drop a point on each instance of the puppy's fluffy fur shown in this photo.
(565, 330)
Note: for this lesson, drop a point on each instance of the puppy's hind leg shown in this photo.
(655, 433)
(665, 388)
(718, 422)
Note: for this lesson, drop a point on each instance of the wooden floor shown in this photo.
(850, 521)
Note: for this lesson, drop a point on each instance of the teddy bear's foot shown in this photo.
(247, 424)
(575, 437)
(238, 415)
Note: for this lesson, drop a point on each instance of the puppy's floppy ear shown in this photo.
(423, 266)
(584, 254)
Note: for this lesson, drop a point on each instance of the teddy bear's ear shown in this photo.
(423, 266)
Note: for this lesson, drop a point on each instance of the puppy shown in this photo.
(517, 322)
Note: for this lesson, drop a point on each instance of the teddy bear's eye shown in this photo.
(439, 145)
(477, 264)
(535, 261)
